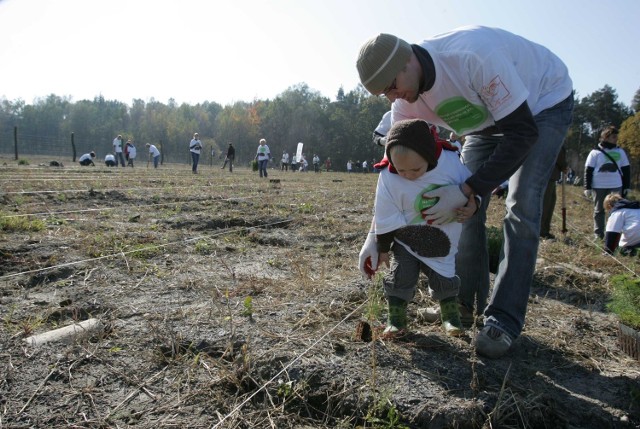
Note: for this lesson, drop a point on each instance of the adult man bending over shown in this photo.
(513, 100)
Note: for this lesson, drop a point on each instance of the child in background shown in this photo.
(418, 164)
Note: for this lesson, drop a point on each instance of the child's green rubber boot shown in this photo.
(397, 317)
(450, 315)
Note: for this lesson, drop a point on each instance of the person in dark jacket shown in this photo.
(231, 154)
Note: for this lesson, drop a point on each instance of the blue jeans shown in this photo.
(508, 302)
(156, 160)
(120, 157)
(195, 157)
(262, 166)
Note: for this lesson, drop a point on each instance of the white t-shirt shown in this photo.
(483, 74)
(154, 151)
(195, 145)
(627, 223)
(132, 152)
(605, 173)
(117, 145)
(263, 152)
(109, 157)
(385, 124)
(397, 206)
(86, 156)
(285, 158)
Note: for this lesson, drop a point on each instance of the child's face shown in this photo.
(409, 164)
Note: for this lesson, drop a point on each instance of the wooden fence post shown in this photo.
(15, 141)
(73, 147)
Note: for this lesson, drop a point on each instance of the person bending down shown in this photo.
(623, 225)
(418, 164)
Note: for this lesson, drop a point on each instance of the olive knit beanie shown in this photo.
(380, 60)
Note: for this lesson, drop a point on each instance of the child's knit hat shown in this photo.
(416, 135)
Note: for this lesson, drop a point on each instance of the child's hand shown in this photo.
(465, 213)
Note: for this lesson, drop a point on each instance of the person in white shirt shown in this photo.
(263, 155)
(623, 225)
(87, 159)
(110, 160)
(132, 152)
(117, 149)
(365, 166)
(382, 129)
(284, 162)
(155, 153)
(195, 146)
(454, 141)
(513, 101)
(606, 170)
(316, 163)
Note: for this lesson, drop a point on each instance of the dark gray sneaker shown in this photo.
(492, 342)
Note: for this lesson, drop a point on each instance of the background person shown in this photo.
(623, 225)
(606, 170)
(132, 152)
(195, 147)
(263, 155)
(382, 129)
(87, 159)
(513, 101)
(229, 158)
(117, 149)
(454, 141)
(327, 164)
(155, 153)
(284, 162)
(110, 160)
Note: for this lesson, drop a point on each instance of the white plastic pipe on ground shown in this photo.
(67, 334)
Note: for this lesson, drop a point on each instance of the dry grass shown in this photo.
(232, 302)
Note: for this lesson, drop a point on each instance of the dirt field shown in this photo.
(230, 301)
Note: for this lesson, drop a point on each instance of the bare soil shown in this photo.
(232, 301)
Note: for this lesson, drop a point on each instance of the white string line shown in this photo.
(142, 249)
(127, 206)
(130, 189)
(296, 359)
(161, 187)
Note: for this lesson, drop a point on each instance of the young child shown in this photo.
(418, 164)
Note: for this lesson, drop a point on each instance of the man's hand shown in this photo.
(450, 199)
(588, 193)
(368, 259)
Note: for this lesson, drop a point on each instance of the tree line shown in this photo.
(340, 129)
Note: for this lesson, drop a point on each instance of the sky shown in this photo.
(225, 51)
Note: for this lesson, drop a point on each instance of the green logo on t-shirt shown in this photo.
(460, 114)
(421, 203)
